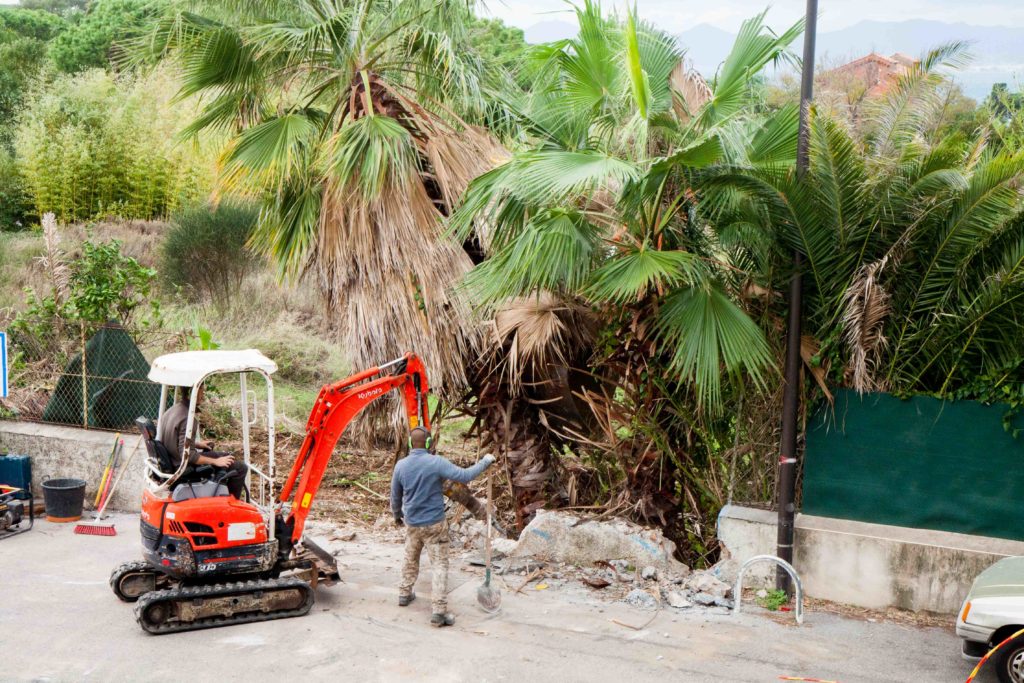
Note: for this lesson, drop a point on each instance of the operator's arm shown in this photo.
(463, 475)
(197, 458)
(396, 496)
(221, 461)
(193, 457)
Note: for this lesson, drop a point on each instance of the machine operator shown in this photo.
(172, 435)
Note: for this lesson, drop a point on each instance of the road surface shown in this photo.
(59, 621)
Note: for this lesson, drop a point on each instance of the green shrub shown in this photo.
(92, 146)
(205, 255)
(102, 284)
(15, 206)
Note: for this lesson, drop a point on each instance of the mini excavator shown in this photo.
(213, 560)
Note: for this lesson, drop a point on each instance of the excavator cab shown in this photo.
(192, 369)
(210, 559)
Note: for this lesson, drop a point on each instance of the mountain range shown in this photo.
(997, 52)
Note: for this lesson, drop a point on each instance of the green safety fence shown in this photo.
(919, 462)
(110, 390)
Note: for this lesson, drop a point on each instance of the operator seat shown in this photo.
(193, 483)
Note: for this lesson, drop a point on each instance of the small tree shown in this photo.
(205, 254)
(101, 285)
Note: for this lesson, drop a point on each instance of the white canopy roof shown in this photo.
(187, 368)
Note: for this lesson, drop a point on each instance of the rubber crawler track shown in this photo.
(125, 569)
(188, 593)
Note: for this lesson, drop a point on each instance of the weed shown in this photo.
(772, 600)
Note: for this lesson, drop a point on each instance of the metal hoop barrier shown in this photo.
(737, 591)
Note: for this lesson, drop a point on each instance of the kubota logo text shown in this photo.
(372, 392)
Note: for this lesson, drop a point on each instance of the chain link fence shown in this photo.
(90, 377)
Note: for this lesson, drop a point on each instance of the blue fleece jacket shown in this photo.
(416, 485)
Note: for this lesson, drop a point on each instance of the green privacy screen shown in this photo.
(919, 462)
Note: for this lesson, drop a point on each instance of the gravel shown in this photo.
(641, 599)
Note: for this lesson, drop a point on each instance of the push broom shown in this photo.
(96, 527)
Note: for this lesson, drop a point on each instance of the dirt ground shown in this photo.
(60, 622)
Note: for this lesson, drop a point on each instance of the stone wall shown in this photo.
(868, 565)
(59, 452)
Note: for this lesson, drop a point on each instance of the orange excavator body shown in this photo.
(193, 543)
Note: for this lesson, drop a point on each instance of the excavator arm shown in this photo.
(334, 409)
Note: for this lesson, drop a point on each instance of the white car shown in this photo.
(992, 612)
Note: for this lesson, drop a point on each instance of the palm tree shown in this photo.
(913, 242)
(594, 239)
(353, 122)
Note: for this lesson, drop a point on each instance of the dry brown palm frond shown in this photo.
(809, 348)
(385, 264)
(457, 157)
(690, 91)
(535, 334)
(53, 260)
(865, 309)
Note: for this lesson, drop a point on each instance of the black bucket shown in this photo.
(64, 499)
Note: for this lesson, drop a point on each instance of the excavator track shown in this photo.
(132, 580)
(189, 608)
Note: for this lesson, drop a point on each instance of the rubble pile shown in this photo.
(612, 560)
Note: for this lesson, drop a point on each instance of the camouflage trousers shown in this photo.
(435, 538)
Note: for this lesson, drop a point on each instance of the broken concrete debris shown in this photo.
(677, 600)
(562, 537)
(641, 599)
(705, 599)
(616, 559)
(705, 582)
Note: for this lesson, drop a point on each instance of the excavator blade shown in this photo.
(325, 563)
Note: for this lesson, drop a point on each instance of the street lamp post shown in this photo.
(791, 390)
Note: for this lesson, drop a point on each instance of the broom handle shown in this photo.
(117, 479)
(106, 472)
(489, 477)
(113, 470)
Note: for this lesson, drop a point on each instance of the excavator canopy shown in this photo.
(188, 368)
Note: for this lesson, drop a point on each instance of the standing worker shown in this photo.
(417, 499)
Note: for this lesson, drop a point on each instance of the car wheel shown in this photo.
(1009, 661)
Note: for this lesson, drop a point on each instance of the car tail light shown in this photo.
(967, 610)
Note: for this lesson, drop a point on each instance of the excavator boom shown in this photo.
(334, 409)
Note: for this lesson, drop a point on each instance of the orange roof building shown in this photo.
(876, 73)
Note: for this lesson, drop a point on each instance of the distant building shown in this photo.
(876, 74)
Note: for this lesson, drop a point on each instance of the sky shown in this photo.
(678, 15)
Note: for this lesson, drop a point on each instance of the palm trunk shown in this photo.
(511, 427)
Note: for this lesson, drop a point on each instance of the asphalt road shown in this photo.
(59, 621)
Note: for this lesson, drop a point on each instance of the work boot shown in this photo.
(404, 600)
(446, 619)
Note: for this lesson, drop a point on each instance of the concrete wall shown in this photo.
(869, 565)
(63, 452)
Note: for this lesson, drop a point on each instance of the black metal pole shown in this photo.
(791, 390)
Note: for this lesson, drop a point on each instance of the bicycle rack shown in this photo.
(737, 591)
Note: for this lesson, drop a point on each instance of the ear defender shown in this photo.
(430, 437)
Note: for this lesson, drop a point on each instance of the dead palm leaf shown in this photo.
(535, 334)
(690, 92)
(865, 310)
